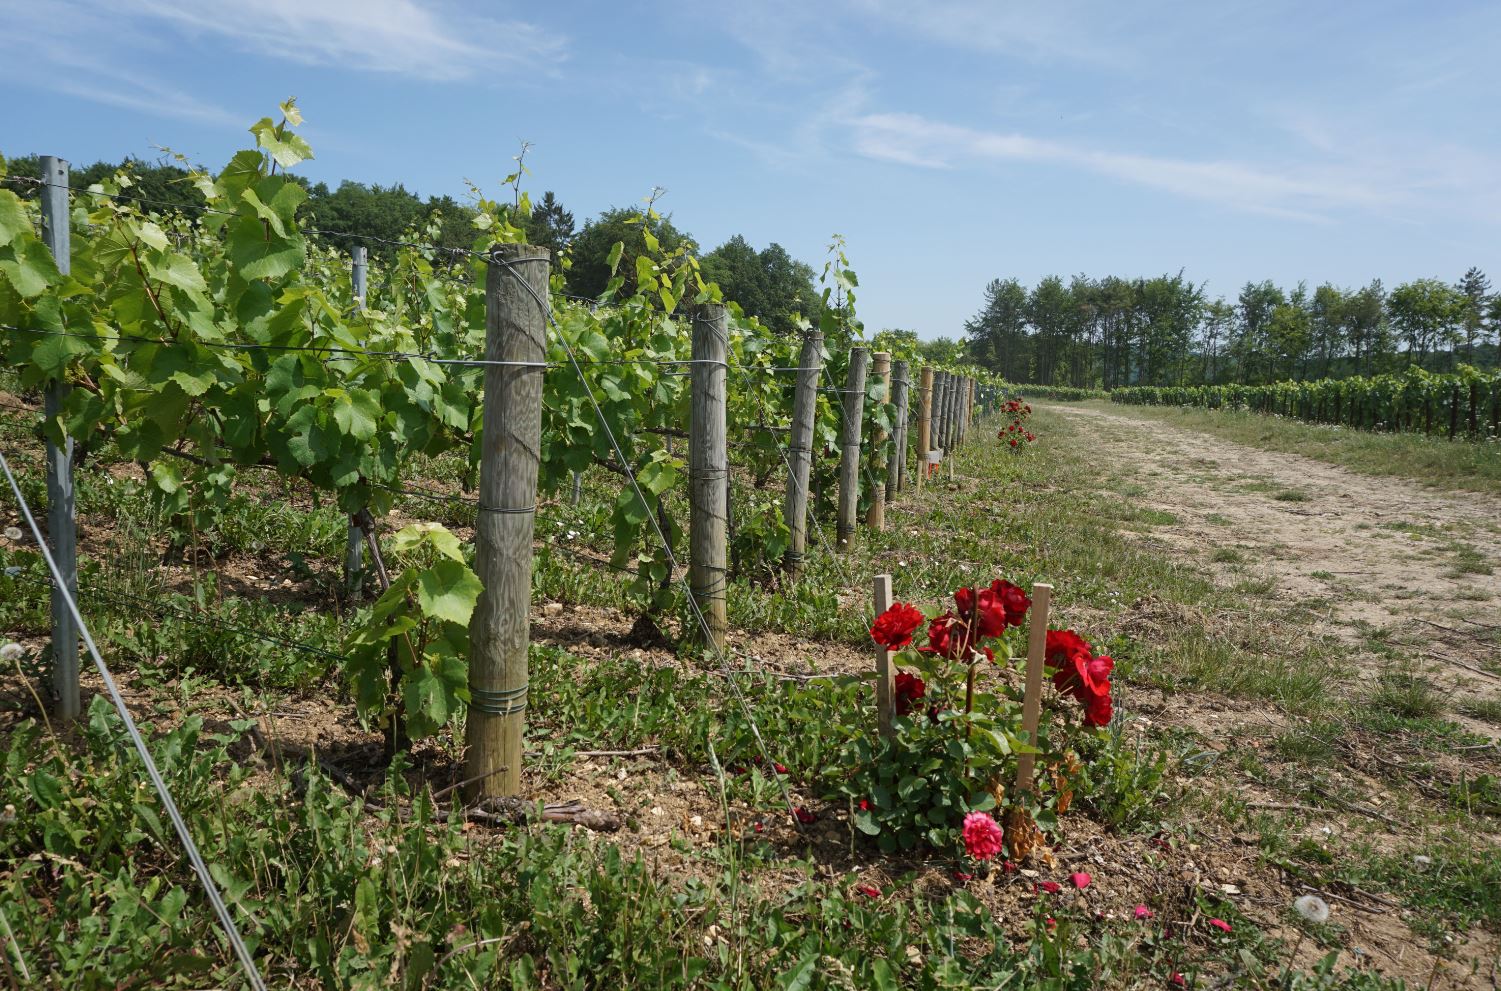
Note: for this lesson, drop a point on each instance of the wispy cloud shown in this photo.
(422, 39)
(1032, 29)
(1299, 190)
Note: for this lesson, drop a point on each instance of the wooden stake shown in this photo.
(708, 468)
(510, 442)
(800, 449)
(849, 454)
(924, 423)
(896, 471)
(885, 673)
(1037, 642)
(875, 514)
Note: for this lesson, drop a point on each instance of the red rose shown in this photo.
(804, 816)
(1013, 442)
(894, 627)
(864, 805)
(1013, 601)
(1097, 673)
(946, 636)
(909, 689)
(1097, 711)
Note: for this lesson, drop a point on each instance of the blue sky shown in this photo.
(951, 142)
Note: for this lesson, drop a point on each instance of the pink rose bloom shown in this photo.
(982, 835)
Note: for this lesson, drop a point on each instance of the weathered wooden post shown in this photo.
(885, 674)
(708, 468)
(1037, 641)
(941, 413)
(924, 423)
(875, 513)
(896, 472)
(849, 453)
(62, 523)
(354, 546)
(800, 448)
(510, 444)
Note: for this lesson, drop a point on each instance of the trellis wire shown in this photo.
(252, 973)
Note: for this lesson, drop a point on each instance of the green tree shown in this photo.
(1367, 329)
(590, 249)
(1475, 289)
(943, 351)
(549, 224)
(769, 284)
(998, 333)
(1426, 313)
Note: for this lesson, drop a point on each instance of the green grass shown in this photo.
(1435, 462)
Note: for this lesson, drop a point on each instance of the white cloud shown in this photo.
(1305, 191)
(407, 37)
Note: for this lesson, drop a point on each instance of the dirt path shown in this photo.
(1385, 560)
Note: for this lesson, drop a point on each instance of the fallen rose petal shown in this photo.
(961, 876)
(804, 816)
(1142, 912)
(1220, 924)
(1175, 979)
(1081, 880)
(1051, 887)
(869, 891)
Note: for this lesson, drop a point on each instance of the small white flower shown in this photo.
(12, 652)
(12, 533)
(1313, 908)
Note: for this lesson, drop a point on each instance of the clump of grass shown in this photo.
(1291, 495)
(1226, 555)
(1485, 710)
(1404, 694)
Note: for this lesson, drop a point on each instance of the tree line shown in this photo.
(767, 283)
(1112, 332)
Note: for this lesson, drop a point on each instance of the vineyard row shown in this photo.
(1465, 404)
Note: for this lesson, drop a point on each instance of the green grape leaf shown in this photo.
(448, 591)
(285, 148)
(258, 255)
(13, 218)
(175, 270)
(28, 266)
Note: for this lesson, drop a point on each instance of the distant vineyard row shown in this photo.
(1463, 404)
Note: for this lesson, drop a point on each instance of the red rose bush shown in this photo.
(957, 701)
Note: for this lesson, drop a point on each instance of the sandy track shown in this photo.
(1374, 553)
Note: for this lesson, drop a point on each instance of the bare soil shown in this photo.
(1375, 556)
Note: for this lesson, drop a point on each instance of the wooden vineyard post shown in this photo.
(969, 404)
(941, 416)
(708, 468)
(959, 411)
(924, 423)
(885, 674)
(849, 452)
(937, 428)
(1037, 642)
(875, 514)
(62, 523)
(896, 471)
(800, 448)
(510, 443)
(354, 547)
